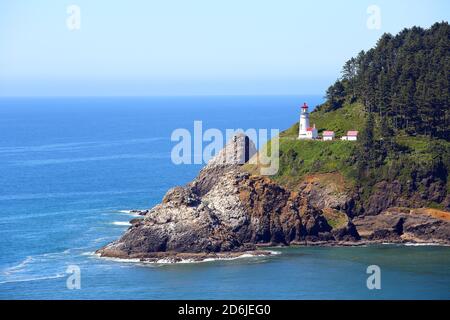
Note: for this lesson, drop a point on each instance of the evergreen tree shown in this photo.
(336, 95)
(404, 79)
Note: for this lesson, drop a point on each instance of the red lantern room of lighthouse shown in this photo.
(304, 108)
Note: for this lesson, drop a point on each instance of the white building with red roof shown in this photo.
(328, 135)
(305, 131)
(351, 136)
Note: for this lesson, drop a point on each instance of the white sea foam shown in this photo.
(187, 261)
(31, 259)
(424, 244)
(19, 266)
(25, 279)
(121, 223)
(88, 253)
(416, 244)
(119, 259)
(130, 213)
(33, 267)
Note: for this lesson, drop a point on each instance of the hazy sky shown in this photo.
(184, 47)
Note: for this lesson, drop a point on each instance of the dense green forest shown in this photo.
(404, 79)
(403, 87)
(397, 96)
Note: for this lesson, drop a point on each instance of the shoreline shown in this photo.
(365, 243)
(178, 257)
(264, 250)
(227, 211)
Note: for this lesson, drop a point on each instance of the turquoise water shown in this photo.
(70, 168)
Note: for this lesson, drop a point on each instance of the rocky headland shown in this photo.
(227, 211)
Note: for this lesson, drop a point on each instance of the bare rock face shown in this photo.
(405, 225)
(226, 210)
(328, 195)
(237, 152)
(385, 195)
(392, 194)
(347, 233)
(200, 217)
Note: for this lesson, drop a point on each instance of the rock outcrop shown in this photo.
(226, 211)
(405, 225)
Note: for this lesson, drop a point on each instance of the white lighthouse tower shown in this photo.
(304, 130)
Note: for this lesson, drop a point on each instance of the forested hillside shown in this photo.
(397, 96)
(404, 79)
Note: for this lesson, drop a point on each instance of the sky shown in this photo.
(192, 47)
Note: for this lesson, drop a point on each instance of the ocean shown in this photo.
(72, 168)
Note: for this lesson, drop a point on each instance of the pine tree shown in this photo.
(405, 78)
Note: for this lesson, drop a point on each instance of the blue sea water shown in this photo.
(70, 168)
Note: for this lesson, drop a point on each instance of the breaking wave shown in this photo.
(31, 268)
(121, 223)
(168, 261)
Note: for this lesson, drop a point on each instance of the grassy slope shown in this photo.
(349, 117)
(299, 159)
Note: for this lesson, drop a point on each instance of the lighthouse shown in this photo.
(305, 132)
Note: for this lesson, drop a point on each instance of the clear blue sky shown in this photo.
(190, 47)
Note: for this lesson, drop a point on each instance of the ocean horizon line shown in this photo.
(158, 96)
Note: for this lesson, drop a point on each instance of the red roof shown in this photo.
(305, 106)
(328, 133)
(310, 129)
(352, 133)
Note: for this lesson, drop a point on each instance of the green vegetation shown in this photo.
(336, 219)
(419, 157)
(414, 161)
(397, 96)
(407, 159)
(404, 79)
(349, 117)
(301, 157)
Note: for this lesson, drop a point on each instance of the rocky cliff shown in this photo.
(226, 211)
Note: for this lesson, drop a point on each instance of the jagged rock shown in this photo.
(387, 194)
(347, 233)
(136, 221)
(446, 202)
(139, 212)
(237, 152)
(404, 225)
(327, 195)
(181, 196)
(227, 210)
(384, 195)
